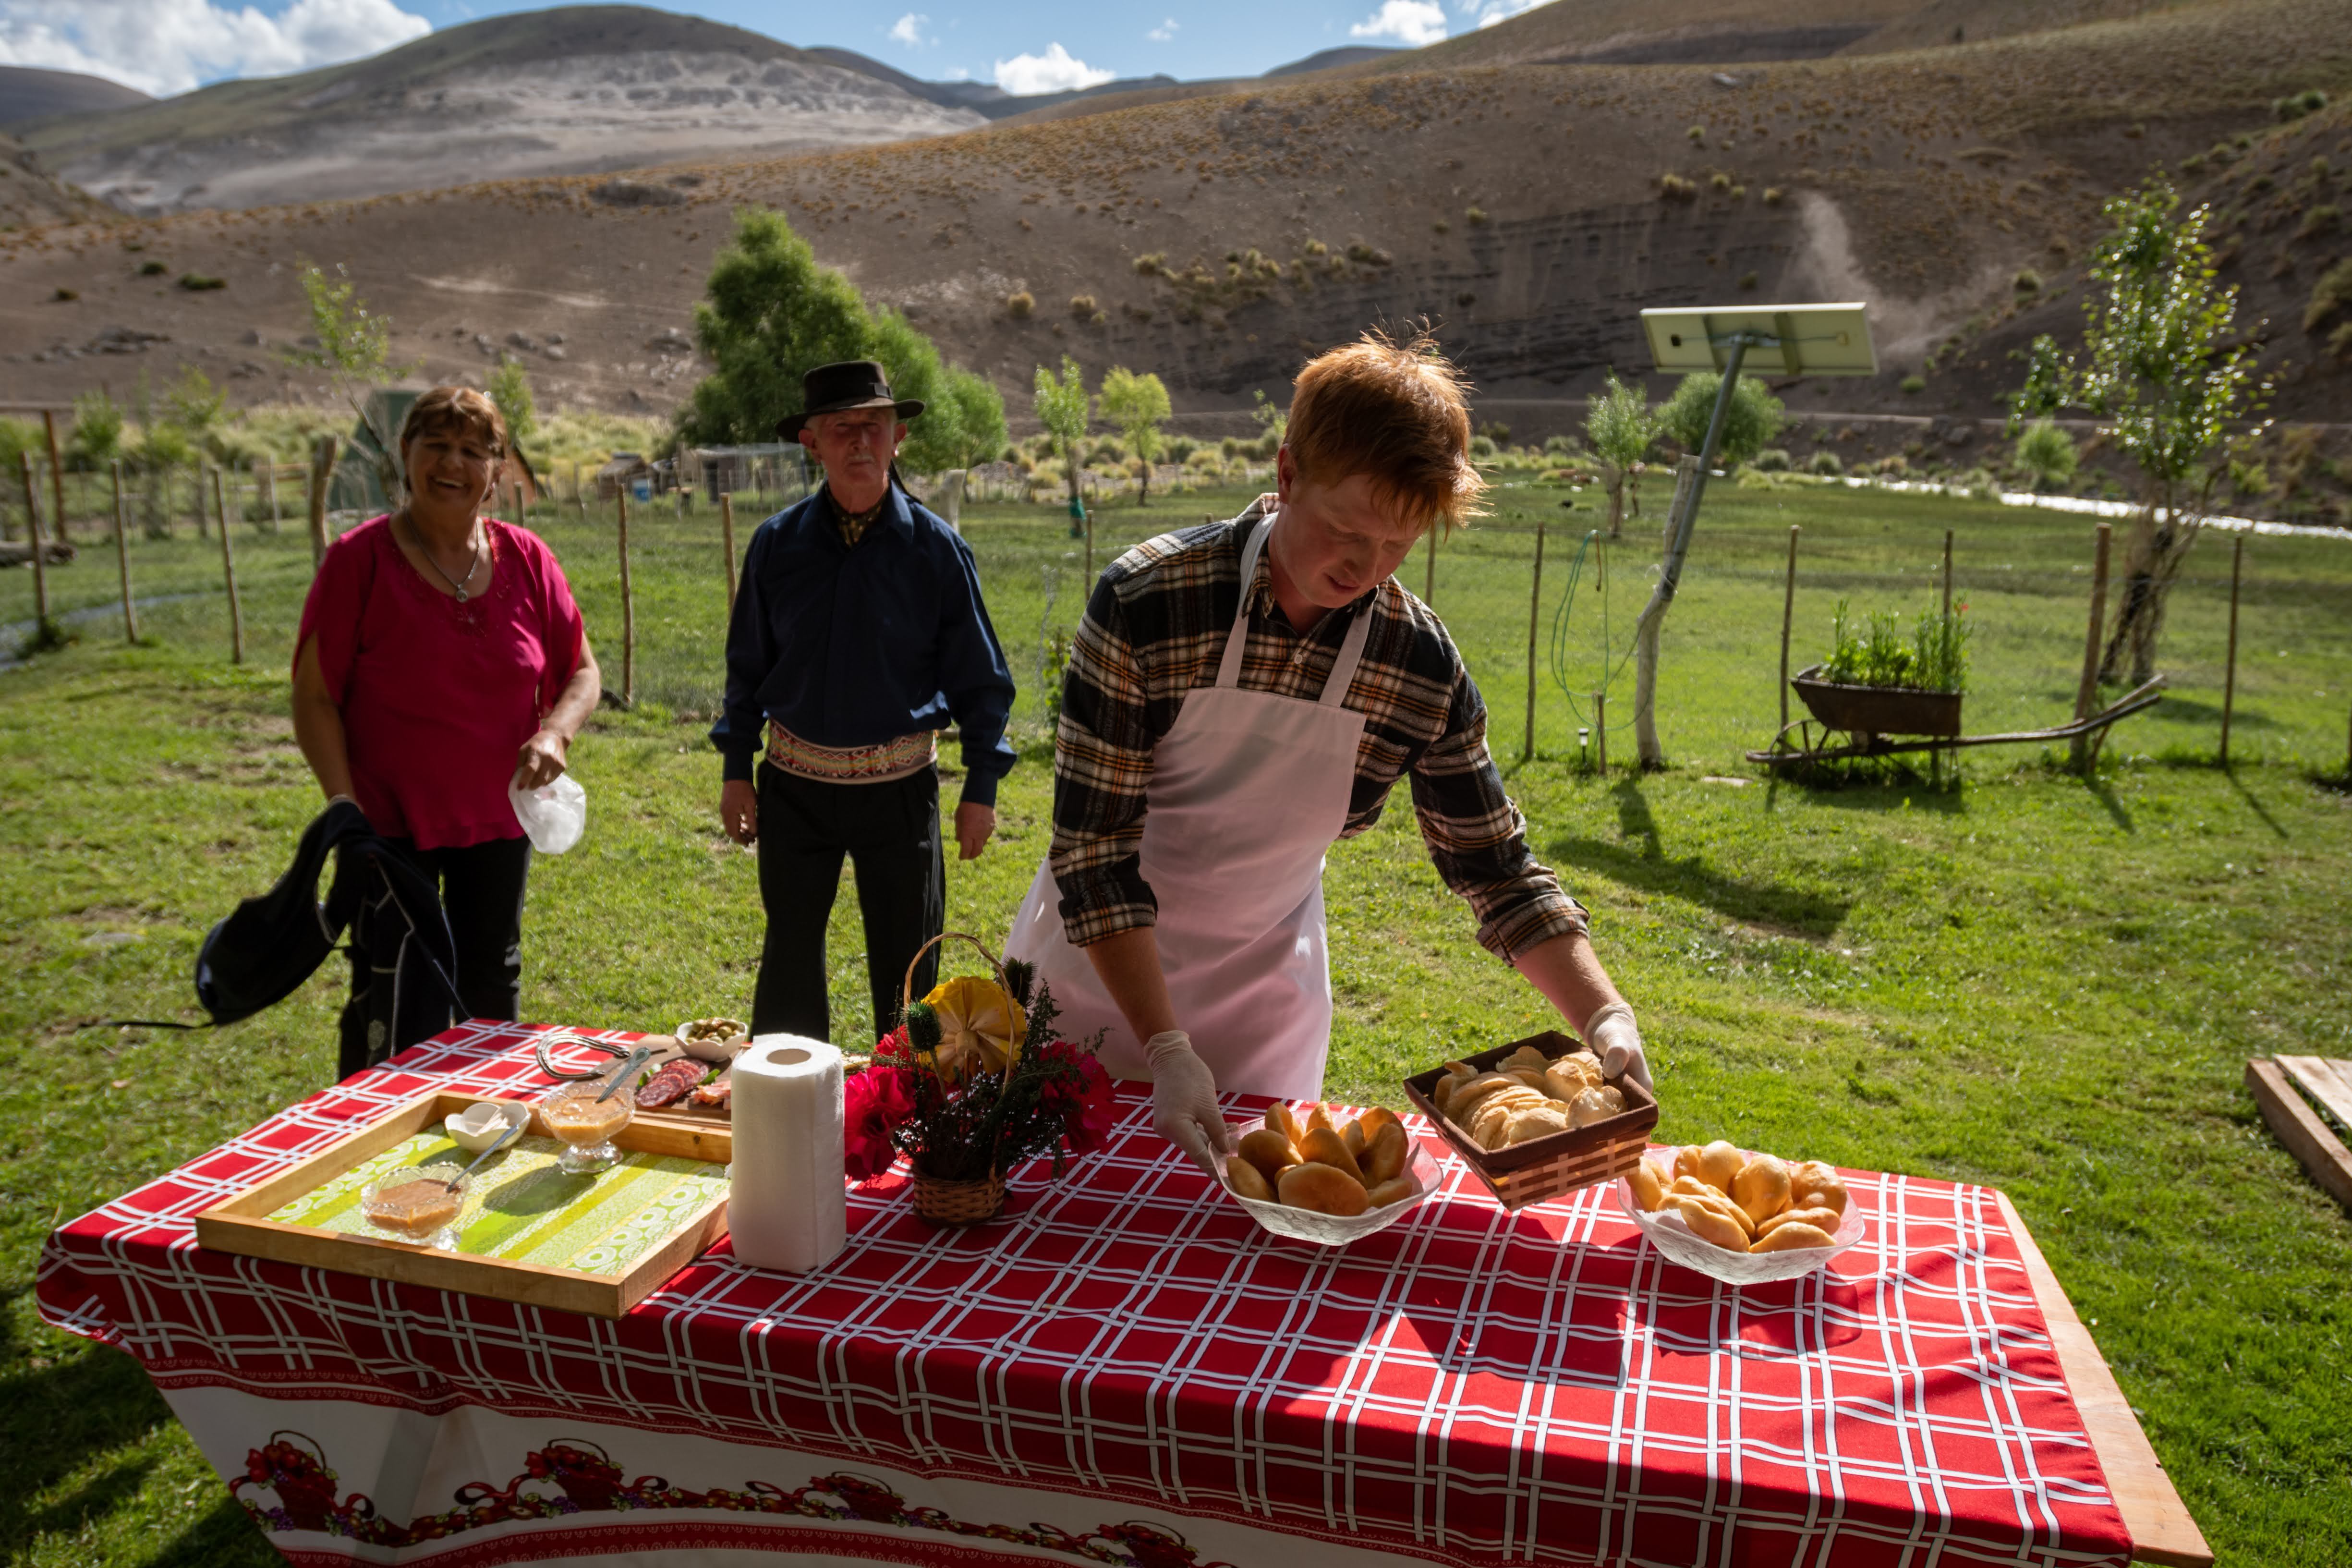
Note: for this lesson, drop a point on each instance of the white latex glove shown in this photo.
(1184, 1107)
(1617, 1040)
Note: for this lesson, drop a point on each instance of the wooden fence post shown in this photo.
(2087, 694)
(727, 539)
(228, 570)
(1788, 615)
(2230, 665)
(122, 555)
(628, 614)
(277, 518)
(322, 472)
(203, 527)
(1601, 732)
(57, 474)
(33, 535)
(1948, 573)
(1535, 614)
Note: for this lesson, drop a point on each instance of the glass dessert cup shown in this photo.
(417, 1204)
(586, 1126)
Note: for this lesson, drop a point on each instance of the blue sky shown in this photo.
(166, 47)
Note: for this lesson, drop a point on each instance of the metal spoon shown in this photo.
(635, 1059)
(509, 1136)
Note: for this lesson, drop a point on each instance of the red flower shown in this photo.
(873, 1102)
(1085, 1110)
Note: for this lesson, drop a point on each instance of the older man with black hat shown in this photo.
(858, 634)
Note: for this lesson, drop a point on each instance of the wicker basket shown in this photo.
(1558, 1163)
(957, 1204)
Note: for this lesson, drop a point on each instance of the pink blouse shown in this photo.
(438, 697)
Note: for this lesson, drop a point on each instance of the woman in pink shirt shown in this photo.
(440, 658)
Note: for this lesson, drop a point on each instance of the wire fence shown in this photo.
(1565, 617)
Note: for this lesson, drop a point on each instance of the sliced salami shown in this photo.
(670, 1084)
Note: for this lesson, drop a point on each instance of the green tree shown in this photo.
(1754, 418)
(353, 346)
(510, 390)
(770, 312)
(2046, 455)
(1137, 404)
(1064, 407)
(2159, 369)
(97, 429)
(1621, 424)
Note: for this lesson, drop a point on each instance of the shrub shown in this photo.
(1205, 459)
(1229, 447)
(1561, 445)
(1892, 467)
(1772, 195)
(66, 296)
(1721, 182)
(1911, 384)
(1021, 305)
(1773, 460)
(199, 283)
(1825, 464)
(1482, 447)
(1315, 247)
(1935, 658)
(1673, 188)
(2294, 106)
(2324, 218)
(2027, 281)
(1754, 418)
(1697, 133)
(153, 269)
(1146, 266)
(1082, 304)
(1495, 430)
(2249, 480)
(1748, 281)
(1477, 215)
(2047, 456)
(2332, 293)
(1180, 449)
(1441, 226)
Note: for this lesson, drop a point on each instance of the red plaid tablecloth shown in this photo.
(1468, 1387)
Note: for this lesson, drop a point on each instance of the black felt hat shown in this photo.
(837, 388)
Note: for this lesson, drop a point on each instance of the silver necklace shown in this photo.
(473, 559)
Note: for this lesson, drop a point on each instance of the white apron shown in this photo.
(1248, 789)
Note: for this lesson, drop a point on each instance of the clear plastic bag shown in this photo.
(553, 816)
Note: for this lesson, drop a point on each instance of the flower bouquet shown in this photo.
(974, 1081)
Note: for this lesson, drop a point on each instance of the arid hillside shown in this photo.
(1530, 210)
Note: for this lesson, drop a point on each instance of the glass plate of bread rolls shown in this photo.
(1742, 1217)
(1312, 1176)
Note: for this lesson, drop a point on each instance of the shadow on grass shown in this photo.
(2186, 708)
(1645, 864)
(2253, 805)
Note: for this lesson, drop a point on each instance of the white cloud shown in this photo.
(1055, 70)
(1410, 22)
(957, 73)
(166, 47)
(1162, 32)
(908, 30)
(1490, 12)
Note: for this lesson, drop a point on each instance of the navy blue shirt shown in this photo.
(854, 646)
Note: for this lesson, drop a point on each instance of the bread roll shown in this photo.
(1687, 1161)
(1720, 1163)
(1592, 1105)
(1372, 1120)
(1789, 1237)
(1829, 1195)
(1803, 1173)
(1525, 1057)
(1694, 1186)
(1395, 1190)
(1247, 1179)
(1761, 1187)
(1321, 1146)
(1353, 1135)
(1529, 1076)
(1820, 1219)
(1456, 1074)
(1317, 1116)
(1269, 1151)
(1325, 1189)
(1388, 1153)
(1568, 1078)
(1648, 1191)
(1709, 1226)
(1467, 1096)
(1534, 1121)
(1279, 1119)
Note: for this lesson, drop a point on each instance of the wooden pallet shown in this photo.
(2328, 1082)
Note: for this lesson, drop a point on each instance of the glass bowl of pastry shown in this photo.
(1313, 1177)
(1742, 1217)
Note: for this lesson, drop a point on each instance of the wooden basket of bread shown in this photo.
(1536, 1118)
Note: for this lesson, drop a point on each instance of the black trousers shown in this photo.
(891, 833)
(482, 887)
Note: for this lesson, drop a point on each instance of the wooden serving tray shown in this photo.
(242, 1223)
(1558, 1163)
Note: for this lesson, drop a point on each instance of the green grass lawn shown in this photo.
(2014, 976)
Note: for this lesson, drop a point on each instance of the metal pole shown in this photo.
(1948, 573)
(2230, 677)
(1788, 614)
(1688, 491)
(727, 538)
(57, 474)
(628, 615)
(1535, 614)
(1601, 733)
(2087, 694)
(228, 570)
(122, 555)
(33, 533)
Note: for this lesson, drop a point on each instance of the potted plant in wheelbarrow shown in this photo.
(1877, 681)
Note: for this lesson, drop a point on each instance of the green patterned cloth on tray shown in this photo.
(522, 1209)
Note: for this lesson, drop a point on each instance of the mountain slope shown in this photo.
(581, 88)
(27, 93)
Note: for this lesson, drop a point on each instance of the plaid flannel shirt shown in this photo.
(1156, 628)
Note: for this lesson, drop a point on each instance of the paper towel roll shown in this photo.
(785, 1206)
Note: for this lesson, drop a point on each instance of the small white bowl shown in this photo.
(1338, 1230)
(484, 1122)
(1667, 1233)
(711, 1050)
